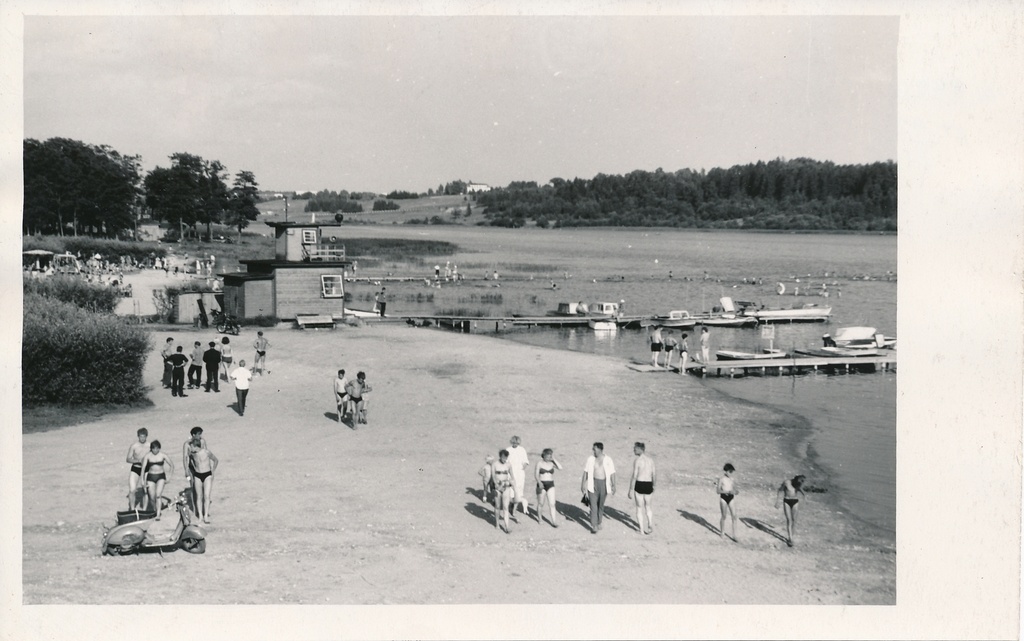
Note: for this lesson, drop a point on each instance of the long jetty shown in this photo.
(793, 365)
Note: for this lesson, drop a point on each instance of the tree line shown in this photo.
(74, 188)
(800, 194)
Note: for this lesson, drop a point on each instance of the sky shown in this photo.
(409, 102)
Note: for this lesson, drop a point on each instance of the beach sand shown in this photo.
(309, 511)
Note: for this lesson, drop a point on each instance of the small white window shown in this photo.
(308, 236)
(331, 286)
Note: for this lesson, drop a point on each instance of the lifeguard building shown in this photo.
(305, 278)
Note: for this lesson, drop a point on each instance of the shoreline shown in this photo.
(390, 514)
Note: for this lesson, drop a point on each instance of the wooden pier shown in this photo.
(794, 365)
(471, 324)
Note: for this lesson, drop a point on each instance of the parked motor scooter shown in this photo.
(131, 534)
(226, 323)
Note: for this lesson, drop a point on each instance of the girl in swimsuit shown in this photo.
(544, 473)
(788, 492)
(226, 357)
(153, 465)
(501, 474)
(726, 493)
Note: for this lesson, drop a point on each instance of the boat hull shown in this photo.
(728, 355)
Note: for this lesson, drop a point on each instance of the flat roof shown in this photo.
(273, 262)
(284, 225)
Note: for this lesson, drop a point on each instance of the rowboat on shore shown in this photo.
(835, 352)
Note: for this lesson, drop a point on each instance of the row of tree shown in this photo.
(332, 202)
(73, 188)
(780, 194)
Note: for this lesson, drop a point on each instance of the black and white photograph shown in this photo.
(441, 320)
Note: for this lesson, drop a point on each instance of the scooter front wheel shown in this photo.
(193, 545)
(222, 328)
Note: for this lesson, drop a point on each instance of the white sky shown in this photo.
(382, 103)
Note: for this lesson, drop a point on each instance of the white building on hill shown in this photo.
(472, 188)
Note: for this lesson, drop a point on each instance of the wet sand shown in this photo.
(308, 511)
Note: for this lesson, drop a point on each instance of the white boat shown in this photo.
(808, 313)
(594, 310)
(724, 317)
(603, 324)
(858, 338)
(835, 352)
(766, 353)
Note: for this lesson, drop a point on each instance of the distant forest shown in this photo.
(800, 194)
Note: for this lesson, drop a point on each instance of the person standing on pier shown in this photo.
(670, 348)
(684, 353)
(382, 300)
(656, 344)
(705, 344)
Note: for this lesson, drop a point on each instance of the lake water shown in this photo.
(853, 417)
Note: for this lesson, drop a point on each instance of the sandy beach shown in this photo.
(309, 511)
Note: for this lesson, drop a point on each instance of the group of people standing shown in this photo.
(216, 359)
(504, 482)
(350, 398)
(667, 344)
(150, 467)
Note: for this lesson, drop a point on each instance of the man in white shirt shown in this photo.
(597, 482)
(241, 376)
(518, 461)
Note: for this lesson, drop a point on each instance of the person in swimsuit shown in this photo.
(670, 348)
(727, 491)
(485, 474)
(356, 389)
(260, 345)
(684, 354)
(156, 465)
(501, 474)
(788, 492)
(204, 464)
(641, 487)
(705, 344)
(544, 473)
(656, 344)
(226, 357)
(135, 454)
(341, 398)
(194, 442)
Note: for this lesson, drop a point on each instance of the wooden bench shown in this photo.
(315, 321)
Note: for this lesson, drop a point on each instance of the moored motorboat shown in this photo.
(808, 313)
(859, 338)
(603, 324)
(837, 352)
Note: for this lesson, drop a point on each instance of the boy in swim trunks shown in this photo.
(788, 492)
(194, 442)
(641, 487)
(134, 458)
(727, 491)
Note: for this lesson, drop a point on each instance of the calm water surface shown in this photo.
(853, 416)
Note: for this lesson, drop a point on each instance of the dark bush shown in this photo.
(384, 205)
(71, 356)
(94, 298)
(260, 321)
